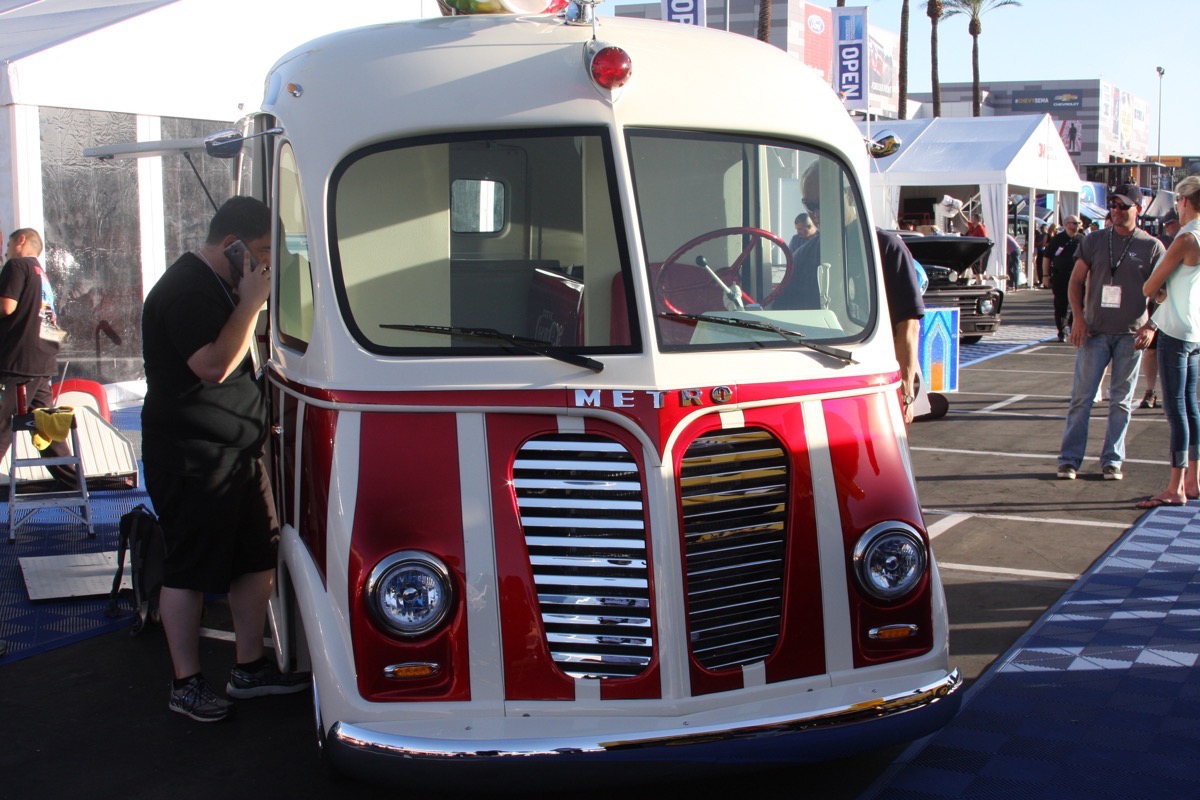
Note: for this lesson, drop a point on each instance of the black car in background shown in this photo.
(951, 262)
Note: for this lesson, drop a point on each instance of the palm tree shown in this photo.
(902, 102)
(934, 10)
(975, 9)
(764, 21)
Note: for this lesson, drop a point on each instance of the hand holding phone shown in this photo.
(237, 253)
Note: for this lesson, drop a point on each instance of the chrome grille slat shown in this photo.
(579, 498)
(733, 493)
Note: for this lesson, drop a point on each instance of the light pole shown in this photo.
(1158, 154)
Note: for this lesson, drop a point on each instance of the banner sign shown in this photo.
(850, 56)
(1032, 101)
(689, 12)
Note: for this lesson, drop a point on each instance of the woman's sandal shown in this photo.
(1155, 502)
(1149, 400)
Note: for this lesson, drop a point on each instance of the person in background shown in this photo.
(1059, 261)
(1169, 225)
(1039, 244)
(1012, 262)
(977, 228)
(204, 423)
(1175, 286)
(1043, 265)
(905, 308)
(1109, 328)
(805, 230)
(27, 357)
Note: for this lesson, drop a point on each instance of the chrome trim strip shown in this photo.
(359, 741)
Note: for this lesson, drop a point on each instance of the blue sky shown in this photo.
(1064, 40)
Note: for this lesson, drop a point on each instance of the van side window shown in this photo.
(294, 294)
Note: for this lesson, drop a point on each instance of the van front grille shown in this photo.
(580, 502)
(734, 490)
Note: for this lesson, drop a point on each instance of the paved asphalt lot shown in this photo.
(90, 720)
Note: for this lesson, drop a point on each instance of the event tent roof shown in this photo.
(198, 59)
(1020, 150)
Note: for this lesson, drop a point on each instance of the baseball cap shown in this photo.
(1169, 217)
(1128, 193)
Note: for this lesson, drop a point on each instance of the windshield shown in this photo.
(489, 243)
(742, 229)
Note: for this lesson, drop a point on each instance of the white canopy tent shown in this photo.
(77, 74)
(991, 156)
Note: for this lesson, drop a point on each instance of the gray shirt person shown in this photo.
(1117, 267)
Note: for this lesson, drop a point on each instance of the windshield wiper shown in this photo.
(759, 325)
(525, 345)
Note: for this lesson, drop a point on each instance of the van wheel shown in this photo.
(970, 340)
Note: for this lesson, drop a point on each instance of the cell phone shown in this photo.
(236, 254)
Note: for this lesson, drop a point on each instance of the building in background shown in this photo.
(1105, 129)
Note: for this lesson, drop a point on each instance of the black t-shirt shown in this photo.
(192, 426)
(1061, 251)
(23, 352)
(899, 278)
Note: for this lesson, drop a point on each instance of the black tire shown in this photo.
(970, 340)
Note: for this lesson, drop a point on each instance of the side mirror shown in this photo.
(228, 143)
(884, 145)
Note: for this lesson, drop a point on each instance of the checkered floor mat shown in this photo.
(30, 628)
(1099, 699)
(1005, 340)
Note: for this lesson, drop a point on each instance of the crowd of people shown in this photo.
(1120, 292)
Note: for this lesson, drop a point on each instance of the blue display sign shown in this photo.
(850, 56)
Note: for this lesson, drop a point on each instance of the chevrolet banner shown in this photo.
(850, 56)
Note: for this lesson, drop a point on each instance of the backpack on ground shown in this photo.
(142, 538)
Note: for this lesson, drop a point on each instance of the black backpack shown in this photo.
(141, 536)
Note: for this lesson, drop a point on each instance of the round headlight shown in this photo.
(409, 593)
(987, 306)
(890, 560)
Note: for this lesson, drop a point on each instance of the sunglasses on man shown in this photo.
(1119, 204)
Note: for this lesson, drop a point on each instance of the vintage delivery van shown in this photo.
(577, 466)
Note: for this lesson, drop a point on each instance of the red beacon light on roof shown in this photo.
(608, 65)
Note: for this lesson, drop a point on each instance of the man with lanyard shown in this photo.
(1111, 328)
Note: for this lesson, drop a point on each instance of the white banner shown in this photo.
(689, 12)
(850, 56)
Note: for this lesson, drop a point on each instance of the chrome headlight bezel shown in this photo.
(421, 567)
(986, 306)
(871, 545)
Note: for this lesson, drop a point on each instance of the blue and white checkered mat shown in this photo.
(1099, 699)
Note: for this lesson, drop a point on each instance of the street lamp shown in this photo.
(1158, 155)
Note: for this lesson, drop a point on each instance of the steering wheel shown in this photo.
(701, 289)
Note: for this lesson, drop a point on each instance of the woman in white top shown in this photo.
(1175, 285)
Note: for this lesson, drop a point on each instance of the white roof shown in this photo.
(199, 59)
(1023, 151)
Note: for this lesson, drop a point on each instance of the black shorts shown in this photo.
(216, 527)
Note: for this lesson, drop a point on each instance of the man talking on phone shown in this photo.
(204, 424)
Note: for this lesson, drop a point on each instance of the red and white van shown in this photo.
(576, 464)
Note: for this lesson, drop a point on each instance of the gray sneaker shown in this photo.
(265, 680)
(1112, 472)
(1066, 472)
(197, 700)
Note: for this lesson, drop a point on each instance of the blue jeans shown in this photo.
(1099, 351)
(1178, 368)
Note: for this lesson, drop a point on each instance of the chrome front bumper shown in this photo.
(822, 735)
